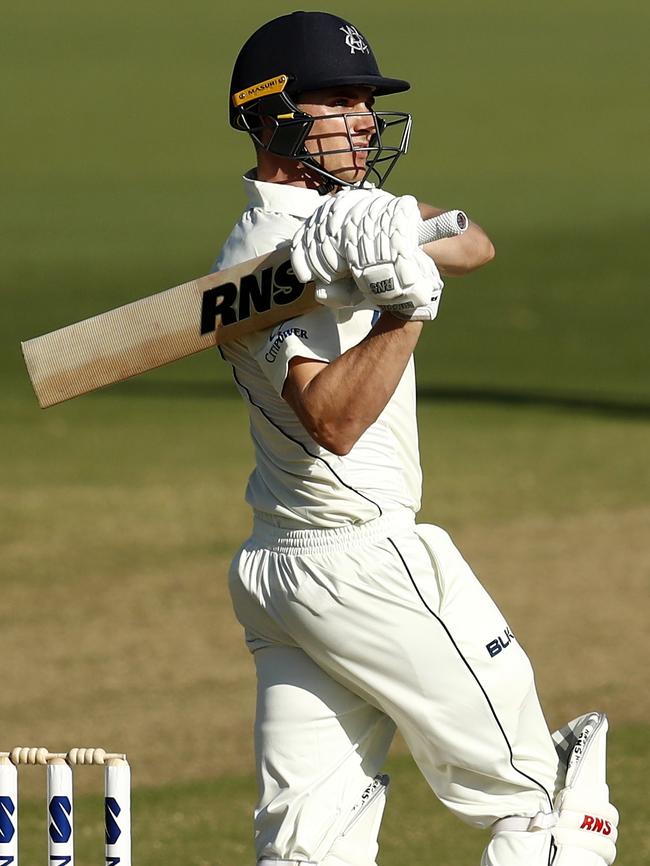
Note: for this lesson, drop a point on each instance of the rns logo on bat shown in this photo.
(231, 303)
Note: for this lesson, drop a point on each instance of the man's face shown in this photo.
(338, 132)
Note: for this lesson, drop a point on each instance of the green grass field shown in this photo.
(119, 512)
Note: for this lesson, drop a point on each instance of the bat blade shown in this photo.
(181, 321)
(164, 327)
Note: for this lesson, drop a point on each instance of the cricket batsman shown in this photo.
(360, 620)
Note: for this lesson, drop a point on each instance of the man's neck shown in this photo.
(275, 169)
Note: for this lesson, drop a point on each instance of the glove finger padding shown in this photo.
(404, 221)
(387, 264)
(317, 250)
(299, 262)
(308, 258)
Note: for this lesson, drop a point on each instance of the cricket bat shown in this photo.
(181, 321)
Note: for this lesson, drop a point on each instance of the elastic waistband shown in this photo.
(305, 541)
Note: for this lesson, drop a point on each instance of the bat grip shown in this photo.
(446, 225)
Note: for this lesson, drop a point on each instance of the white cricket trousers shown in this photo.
(357, 630)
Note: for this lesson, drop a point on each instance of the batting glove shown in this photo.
(317, 248)
(381, 247)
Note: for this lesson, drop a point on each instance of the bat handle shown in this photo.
(446, 225)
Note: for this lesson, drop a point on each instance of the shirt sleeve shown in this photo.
(314, 335)
(256, 233)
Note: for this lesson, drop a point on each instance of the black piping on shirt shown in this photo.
(297, 441)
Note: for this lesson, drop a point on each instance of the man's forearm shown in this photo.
(342, 399)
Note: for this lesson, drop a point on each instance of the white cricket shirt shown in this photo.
(296, 482)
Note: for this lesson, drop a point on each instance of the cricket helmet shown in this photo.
(306, 51)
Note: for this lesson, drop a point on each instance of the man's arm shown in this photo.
(337, 402)
(462, 254)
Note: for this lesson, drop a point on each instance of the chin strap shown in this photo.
(328, 187)
(325, 183)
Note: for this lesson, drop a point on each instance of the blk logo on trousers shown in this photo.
(500, 643)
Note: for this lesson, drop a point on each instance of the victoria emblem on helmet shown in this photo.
(354, 40)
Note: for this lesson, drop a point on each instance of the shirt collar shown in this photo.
(280, 197)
